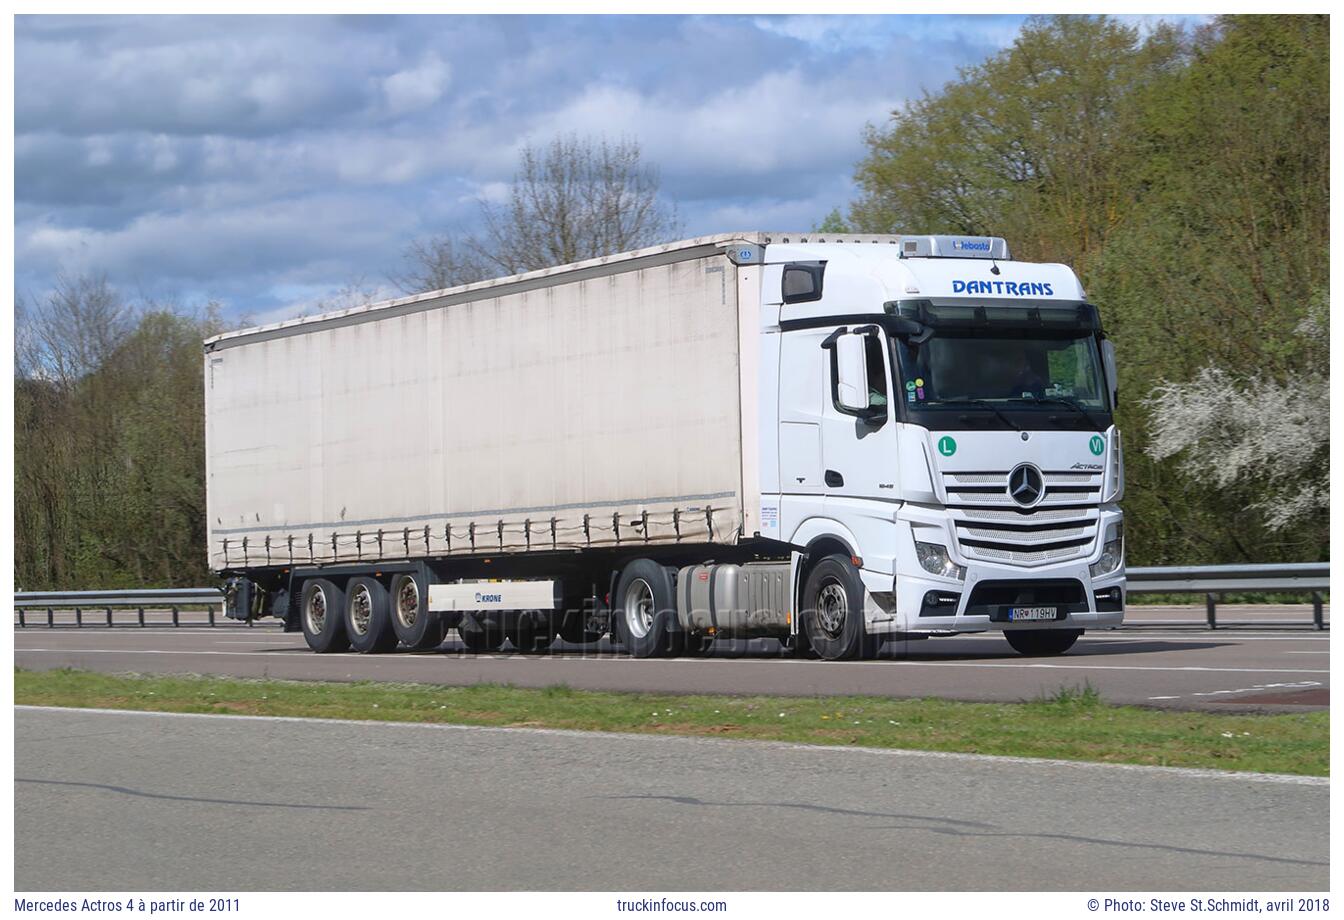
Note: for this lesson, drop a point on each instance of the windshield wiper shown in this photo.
(982, 404)
(1060, 401)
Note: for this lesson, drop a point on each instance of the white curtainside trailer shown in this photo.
(730, 436)
(592, 406)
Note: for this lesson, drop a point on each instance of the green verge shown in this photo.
(1070, 724)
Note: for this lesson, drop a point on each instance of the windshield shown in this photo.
(1006, 369)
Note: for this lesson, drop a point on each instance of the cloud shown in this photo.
(268, 161)
(409, 90)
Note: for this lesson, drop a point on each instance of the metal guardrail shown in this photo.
(107, 601)
(1215, 580)
(1210, 580)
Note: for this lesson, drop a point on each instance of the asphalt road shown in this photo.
(220, 803)
(1243, 669)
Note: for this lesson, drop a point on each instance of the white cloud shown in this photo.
(422, 86)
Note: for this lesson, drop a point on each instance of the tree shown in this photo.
(1254, 432)
(572, 200)
(1186, 179)
(109, 478)
(437, 263)
(75, 327)
(1020, 145)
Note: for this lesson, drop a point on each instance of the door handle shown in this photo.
(834, 479)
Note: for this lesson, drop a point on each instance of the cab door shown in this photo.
(858, 440)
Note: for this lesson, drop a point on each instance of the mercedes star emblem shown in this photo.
(1026, 485)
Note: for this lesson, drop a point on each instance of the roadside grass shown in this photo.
(1070, 723)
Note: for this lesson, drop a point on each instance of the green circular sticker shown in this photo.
(946, 446)
(910, 385)
(1097, 444)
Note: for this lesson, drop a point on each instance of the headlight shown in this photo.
(1112, 554)
(934, 559)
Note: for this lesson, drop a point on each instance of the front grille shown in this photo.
(992, 527)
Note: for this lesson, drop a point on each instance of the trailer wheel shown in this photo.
(368, 616)
(414, 625)
(532, 632)
(833, 611)
(320, 614)
(480, 636)
(644, 614)
(1040, 642)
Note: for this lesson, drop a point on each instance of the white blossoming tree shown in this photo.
(1228, 429)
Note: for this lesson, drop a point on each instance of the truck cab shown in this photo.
(943, 416)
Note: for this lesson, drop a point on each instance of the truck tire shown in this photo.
(368, 616)
(1041, 642)
(833, 611)
(644, 611)
(531, 632)
(480, 637)
(414, 625)
(320, 613)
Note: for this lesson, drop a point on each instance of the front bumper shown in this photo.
(905, 614)
(900, 605)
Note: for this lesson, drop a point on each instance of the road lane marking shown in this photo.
(1288, 779)
(690, 662)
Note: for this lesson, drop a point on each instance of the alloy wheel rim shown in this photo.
(831, 609)
(361, 610)
(408, 602)
(315, 611)
(639, 608)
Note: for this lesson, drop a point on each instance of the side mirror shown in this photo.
(851, 371)
(1108, 365)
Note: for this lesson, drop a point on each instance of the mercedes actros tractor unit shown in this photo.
(827, 440)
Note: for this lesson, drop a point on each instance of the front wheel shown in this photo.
(1041, 642)
(833, 611)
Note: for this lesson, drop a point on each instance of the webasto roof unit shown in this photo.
(954, 247)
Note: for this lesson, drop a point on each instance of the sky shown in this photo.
(266, 163)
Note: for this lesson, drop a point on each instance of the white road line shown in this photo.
(1128, 636)
(711, 662)
(1288, 779)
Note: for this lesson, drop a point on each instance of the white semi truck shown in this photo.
(828, 440)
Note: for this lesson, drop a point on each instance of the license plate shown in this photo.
(1032, 613)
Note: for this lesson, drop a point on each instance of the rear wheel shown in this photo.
(368, 616)
(644, 613)
(412, 622)
(320, 616)
(833, 611)
(1041, 642)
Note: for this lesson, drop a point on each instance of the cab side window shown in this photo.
(877, 372)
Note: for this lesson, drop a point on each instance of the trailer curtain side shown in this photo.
(587, 412)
